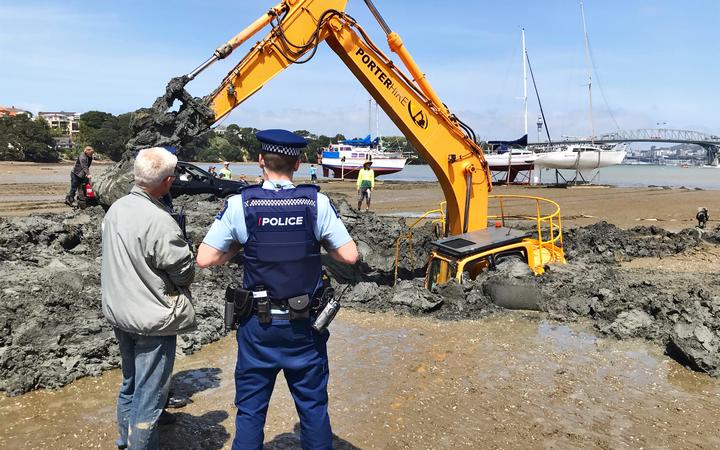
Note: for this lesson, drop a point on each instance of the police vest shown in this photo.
(282, 252)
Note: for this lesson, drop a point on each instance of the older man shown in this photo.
(147, 269)
(79, 176)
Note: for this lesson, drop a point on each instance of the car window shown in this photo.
(197, 173)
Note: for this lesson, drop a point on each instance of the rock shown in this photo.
(630, 324)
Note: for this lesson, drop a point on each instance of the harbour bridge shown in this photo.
(710, 143)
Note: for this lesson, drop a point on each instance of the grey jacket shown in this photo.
(82, 165)
(147, 268)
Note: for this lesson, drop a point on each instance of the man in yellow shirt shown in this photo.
(365, 184)
(225, 172)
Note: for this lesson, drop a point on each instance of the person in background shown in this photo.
(212, 172)
(365, 184)
(225, 172)
(147, 268)
(80, 175)
(313, 173)
(282, 228)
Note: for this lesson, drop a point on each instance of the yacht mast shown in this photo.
(588, 62)
(370, 116)
(525, 96)
(377, 125)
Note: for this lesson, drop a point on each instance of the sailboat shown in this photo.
(513, 157)
(585, 158)
(346, 158)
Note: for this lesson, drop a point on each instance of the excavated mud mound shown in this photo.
(157, 126)
(52, 330)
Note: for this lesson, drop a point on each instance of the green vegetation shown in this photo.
(106, 133)
(24, 139)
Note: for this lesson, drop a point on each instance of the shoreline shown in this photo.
(671, 208)
(439, 358)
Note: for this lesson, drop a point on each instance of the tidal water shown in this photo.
(621, 175)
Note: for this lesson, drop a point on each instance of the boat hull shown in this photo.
(350, 170)
(345, 161)
(501, 163)
(583, 160)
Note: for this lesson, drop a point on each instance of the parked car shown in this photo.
(192, 180)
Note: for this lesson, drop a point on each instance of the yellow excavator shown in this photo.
(466, 244)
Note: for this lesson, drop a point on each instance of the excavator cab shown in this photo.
(512, 234)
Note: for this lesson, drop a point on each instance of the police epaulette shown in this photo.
(305, 185)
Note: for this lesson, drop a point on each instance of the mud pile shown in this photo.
(157, 126)
(52, 330)
(679, 310)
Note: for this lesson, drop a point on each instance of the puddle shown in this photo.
(516, 381)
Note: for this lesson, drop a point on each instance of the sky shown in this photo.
(656, 62)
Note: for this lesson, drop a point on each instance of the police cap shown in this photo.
(281, 141)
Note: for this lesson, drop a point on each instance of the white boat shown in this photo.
(346, 158)
(580, 157)
(513, 157)
(519, 159)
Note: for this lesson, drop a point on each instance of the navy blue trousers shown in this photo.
(301, 353)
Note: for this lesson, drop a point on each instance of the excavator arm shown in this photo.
(298, 27)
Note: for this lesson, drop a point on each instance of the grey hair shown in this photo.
(152, 165)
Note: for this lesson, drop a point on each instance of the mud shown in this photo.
(158, 126)
(52, 331)
(51, 326)
(515, 381)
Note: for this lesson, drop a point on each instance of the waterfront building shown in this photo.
(13, 111)
(67, 122)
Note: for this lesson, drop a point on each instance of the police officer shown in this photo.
(282, 227)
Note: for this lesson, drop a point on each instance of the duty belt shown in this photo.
(279, 308)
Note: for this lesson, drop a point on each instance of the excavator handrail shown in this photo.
(408, 236)
(555, 240)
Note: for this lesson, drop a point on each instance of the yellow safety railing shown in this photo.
(548, 246)
(440, 222)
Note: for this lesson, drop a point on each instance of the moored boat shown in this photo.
(346, 158)
(581, 157)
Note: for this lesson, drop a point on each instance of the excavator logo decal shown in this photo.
(418, 116)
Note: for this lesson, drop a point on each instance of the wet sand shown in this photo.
(514, 381)
(510, 381)
(26, 188)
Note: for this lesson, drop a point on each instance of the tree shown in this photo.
(24, 139)
(106, 133)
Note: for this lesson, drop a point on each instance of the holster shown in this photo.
(262, 305)
(238, 306)
(299, 307)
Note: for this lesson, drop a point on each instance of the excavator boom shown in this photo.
(448, 145)
(299, 26)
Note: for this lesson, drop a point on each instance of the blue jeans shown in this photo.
(301, 353)
(76, 184)
(147, 363)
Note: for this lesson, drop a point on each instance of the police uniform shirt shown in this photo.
(230, 225)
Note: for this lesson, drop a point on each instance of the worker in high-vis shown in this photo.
(365, 184)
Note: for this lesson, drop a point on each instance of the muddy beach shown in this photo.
(591, 370)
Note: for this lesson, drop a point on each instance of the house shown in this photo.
(67, 122)
(13, 111)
